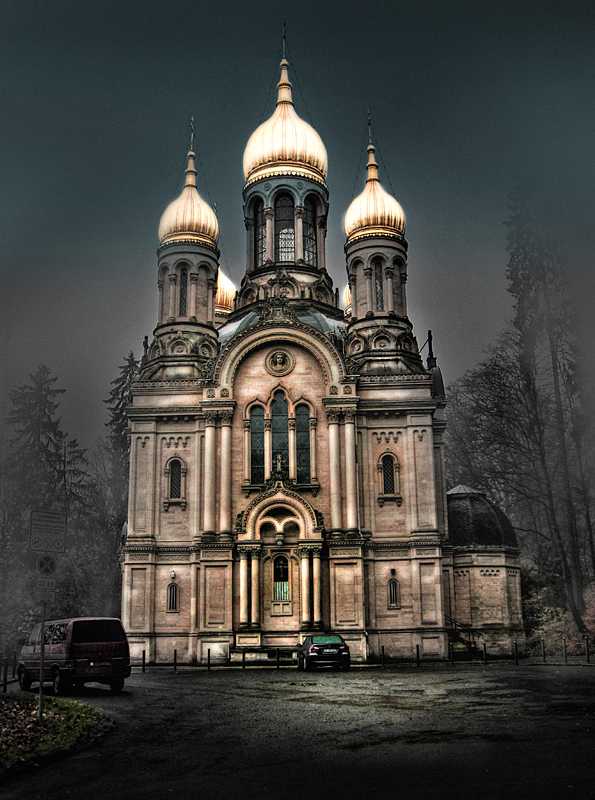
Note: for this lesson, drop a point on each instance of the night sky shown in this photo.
(467, 99)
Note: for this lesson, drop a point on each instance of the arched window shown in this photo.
(257, 445)
(175, 480)
(172, 597)
(302, 443)
(260, 234)
(280, 431)
(393, 594)
(389, 487)
(174, 484)
(284, 229)
(309, 232)
(183, 291)
(388, 475)
(280, 579)
(379, 284)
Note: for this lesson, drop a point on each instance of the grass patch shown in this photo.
(66, 726)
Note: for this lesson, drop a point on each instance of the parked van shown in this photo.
(77, 651)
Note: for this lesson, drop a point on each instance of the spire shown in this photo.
(191, 171)
(284, 86)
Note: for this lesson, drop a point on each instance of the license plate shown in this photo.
(329, 651)
(100, 664)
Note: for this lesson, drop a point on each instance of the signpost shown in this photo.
(47, 536)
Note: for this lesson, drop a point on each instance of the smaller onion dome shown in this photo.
(285, 144)
(225, 294)
(474, 521)
(189, 217)
(347, 300)
(374, 212)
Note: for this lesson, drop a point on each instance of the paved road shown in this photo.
(496, 732)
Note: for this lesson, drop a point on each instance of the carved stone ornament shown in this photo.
(279, 362)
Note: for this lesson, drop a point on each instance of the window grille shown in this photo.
(280, 431)
(257, 445)
(281, 579)
(309, 232)
(183, 292)
(284, 229)
(172, 597)
(302, 443)
(388, 474)
(393, 593)
(175, 480)
(260, 235)
(379, 286)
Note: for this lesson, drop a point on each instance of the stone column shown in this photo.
(270, 230)
(353, 287)
(249, 223)
(369, 309)
(317, 612)
(243, 586)
(210, 472)
(292, 452)
(211, 294)
(299, 233)
(160, 285)
(268, 448)
(335, 469)
(305, 555)
(390, 300)
(172, 297)
(193, 288)
(350, 471)
(255, 593)
(403, 311)
(225, 504)
(247, 451)
(320, 242)
(313, 467)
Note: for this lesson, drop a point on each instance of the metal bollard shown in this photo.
(382, 649)
(516, 653)
(244, 658)
(5, 680)
(209, 658)
(451, 654)
(14, 664)
(144, 659)
(277, 658)
(175, 660)
(564, 650)
(587, 648)
(417, 658)
(543, 651)
(485, 655)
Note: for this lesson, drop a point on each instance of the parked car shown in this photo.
(77, 651)
(323, 650)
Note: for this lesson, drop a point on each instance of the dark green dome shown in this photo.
(474, 521)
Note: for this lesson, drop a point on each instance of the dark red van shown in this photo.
(77, 651)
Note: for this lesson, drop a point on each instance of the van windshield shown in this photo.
(97, 630)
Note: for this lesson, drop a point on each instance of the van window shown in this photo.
(47, 634)
(34, 635)
(60, 632)
(97, 630)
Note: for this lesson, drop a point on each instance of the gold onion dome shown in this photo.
(347, 300)
(285, 144)
(225, 294)
(374, 212)
(189, 217)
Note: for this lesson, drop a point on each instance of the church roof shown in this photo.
(308, 316)
(474, 521)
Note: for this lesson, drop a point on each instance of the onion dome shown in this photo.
(347, 300)
(285, 144)
(189, 218)
(474, 521)
(374, 212)
(225, 294)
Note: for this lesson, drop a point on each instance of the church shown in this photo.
(287, 456)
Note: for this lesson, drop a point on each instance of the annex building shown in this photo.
(287, 465)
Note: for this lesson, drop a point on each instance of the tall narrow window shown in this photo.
(280, 430)
(175, 480)
(388, 474)
(257, 445)
(393, 594)
(309, 228)
(281, 579)
(302, 443)
(183, 291)
(172, 597)
(379, 282)
(284, 229)
(260, 234)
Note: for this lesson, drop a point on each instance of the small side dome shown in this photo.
(189, 218)
(374, 212)
(347, 300)
(474, 521)
(285, 144)
(225, 294)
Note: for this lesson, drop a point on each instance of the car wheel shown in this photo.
(346, 666)
(24, 680)
(116, 685)
(60, 684)
(308, 665)
(300, 663)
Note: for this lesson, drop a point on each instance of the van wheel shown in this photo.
(116, 685)
(60, 684)
(24, 680)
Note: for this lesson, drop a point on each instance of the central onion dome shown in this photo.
(374, 212)
(189, 218)
(285, 144)
(225, 294)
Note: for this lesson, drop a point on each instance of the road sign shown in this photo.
(48, 532)
(46, 565)
(42, 595)
(45, 583)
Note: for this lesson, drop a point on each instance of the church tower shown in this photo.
(286, 473)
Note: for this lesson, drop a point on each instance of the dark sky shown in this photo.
(468, 98)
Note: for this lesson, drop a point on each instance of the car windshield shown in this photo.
(327, 640)
(97, 630)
